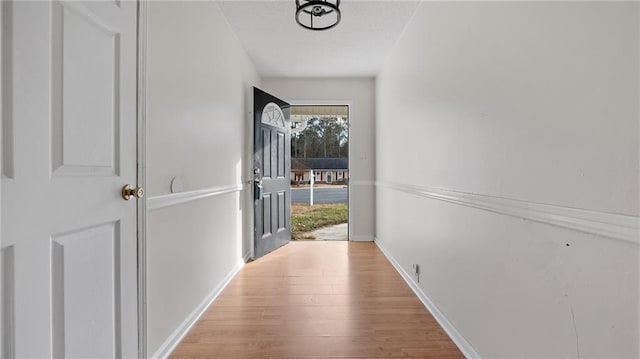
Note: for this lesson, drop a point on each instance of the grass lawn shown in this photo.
(305, 218)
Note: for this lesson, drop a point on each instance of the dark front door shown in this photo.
(272, 172)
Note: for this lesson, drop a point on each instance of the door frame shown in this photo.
(2, 74)
(349, 104)
(141, 119)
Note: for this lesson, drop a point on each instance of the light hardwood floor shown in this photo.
(318, 300)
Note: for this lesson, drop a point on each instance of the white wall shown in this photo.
(199, 98)
(359, 93)
(527, 103)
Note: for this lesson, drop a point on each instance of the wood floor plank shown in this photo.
(318, 300)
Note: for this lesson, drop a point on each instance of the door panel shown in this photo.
(85, 85)
(71, 288)
(266, 215)
(282, 210)
(272, 156)
(266, 153)
(84, 266)
(281, 155)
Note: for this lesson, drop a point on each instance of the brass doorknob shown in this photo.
(130, 191)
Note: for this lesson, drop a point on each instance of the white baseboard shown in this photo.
(247, 256)
(174, 339)
(362, 238)
(462, 344)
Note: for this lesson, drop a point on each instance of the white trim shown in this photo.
(362, 238)
(611, 225)
(247, 256)
(638, 180)
(141, 139)
(173, 199)
(3, 6)
(465, 347)
(174, 339)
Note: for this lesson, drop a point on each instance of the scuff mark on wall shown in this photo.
(575, 328)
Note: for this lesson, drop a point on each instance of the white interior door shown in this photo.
(69, 276)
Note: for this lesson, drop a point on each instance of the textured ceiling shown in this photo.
(279, 47)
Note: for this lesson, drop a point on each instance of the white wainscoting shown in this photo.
(172, 199)
(609, 225)
(174, 339)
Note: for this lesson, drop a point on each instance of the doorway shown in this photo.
(320, 172)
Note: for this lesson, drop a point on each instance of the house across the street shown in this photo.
(326, 170)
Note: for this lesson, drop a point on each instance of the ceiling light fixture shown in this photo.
(318, 14)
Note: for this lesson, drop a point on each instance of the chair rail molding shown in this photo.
(172, 199)
(610, 225)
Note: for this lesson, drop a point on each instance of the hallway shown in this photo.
(318, 300)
